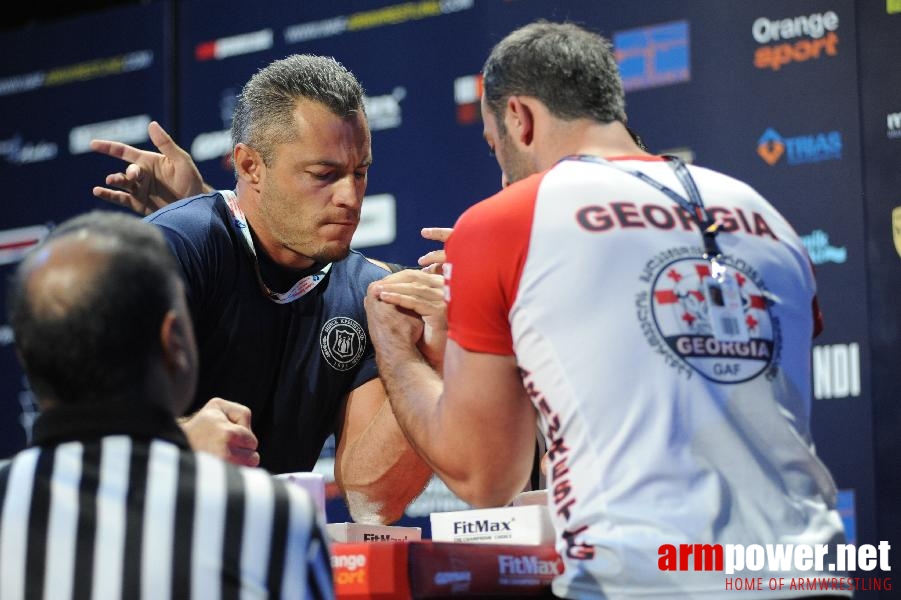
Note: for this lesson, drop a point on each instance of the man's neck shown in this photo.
(263, 240)
(607, 140)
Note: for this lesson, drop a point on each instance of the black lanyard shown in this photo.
(694, 206)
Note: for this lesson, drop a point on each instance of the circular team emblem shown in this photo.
(342, 341)
(681, 312)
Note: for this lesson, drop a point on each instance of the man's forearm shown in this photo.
(379, 472)
(414, 389)
(483, 455)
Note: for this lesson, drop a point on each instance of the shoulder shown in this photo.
(358, 271)
(721, 182)
(199, 224)
(193, 217)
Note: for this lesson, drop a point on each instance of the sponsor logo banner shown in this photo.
(821, 251)
(235, 45)
(653, 56)
(794, 39)
(836, 371)
(378, 222)
(799, 149)
(212, 144)
(128, 130)
(384, 112)
(15, 243)
(370, 19)
(467, 95)
(16, 151)
(893, 125)
(84, 71)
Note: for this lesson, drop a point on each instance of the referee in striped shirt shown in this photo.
(110, 501)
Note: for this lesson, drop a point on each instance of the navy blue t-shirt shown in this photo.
(291, 364)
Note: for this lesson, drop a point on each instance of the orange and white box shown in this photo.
(376, 571)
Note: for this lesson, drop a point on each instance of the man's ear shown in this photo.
(248, 164)
(521, 120)
(175, 341)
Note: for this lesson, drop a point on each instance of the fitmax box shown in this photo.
(358, 532)
(523, 525)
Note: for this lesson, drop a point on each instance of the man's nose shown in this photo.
(346, 193)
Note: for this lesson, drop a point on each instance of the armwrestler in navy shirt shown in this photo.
(275, 292)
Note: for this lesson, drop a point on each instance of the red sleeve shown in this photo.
(485, 256)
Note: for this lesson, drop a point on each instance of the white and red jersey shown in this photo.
(659, 432)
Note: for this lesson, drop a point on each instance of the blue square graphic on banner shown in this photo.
(653, 56)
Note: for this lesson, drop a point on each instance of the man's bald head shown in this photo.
(62, 275)
(87, 307)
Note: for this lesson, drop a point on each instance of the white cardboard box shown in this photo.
(314, 484)
(358, 532)
(529, 525)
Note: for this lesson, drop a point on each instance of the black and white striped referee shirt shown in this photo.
(111, 505)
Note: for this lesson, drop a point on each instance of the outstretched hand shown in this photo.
(152, 179)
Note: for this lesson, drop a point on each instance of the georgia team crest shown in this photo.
(342, 341)
(678, 308)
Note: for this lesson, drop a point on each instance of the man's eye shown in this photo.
(322, 176)
(360, 174)
(490, 150)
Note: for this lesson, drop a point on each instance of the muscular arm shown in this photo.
(476, 430)
(375, 466)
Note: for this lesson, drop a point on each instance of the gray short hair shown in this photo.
(264, 114)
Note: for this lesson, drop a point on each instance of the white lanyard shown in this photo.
(299, 289)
